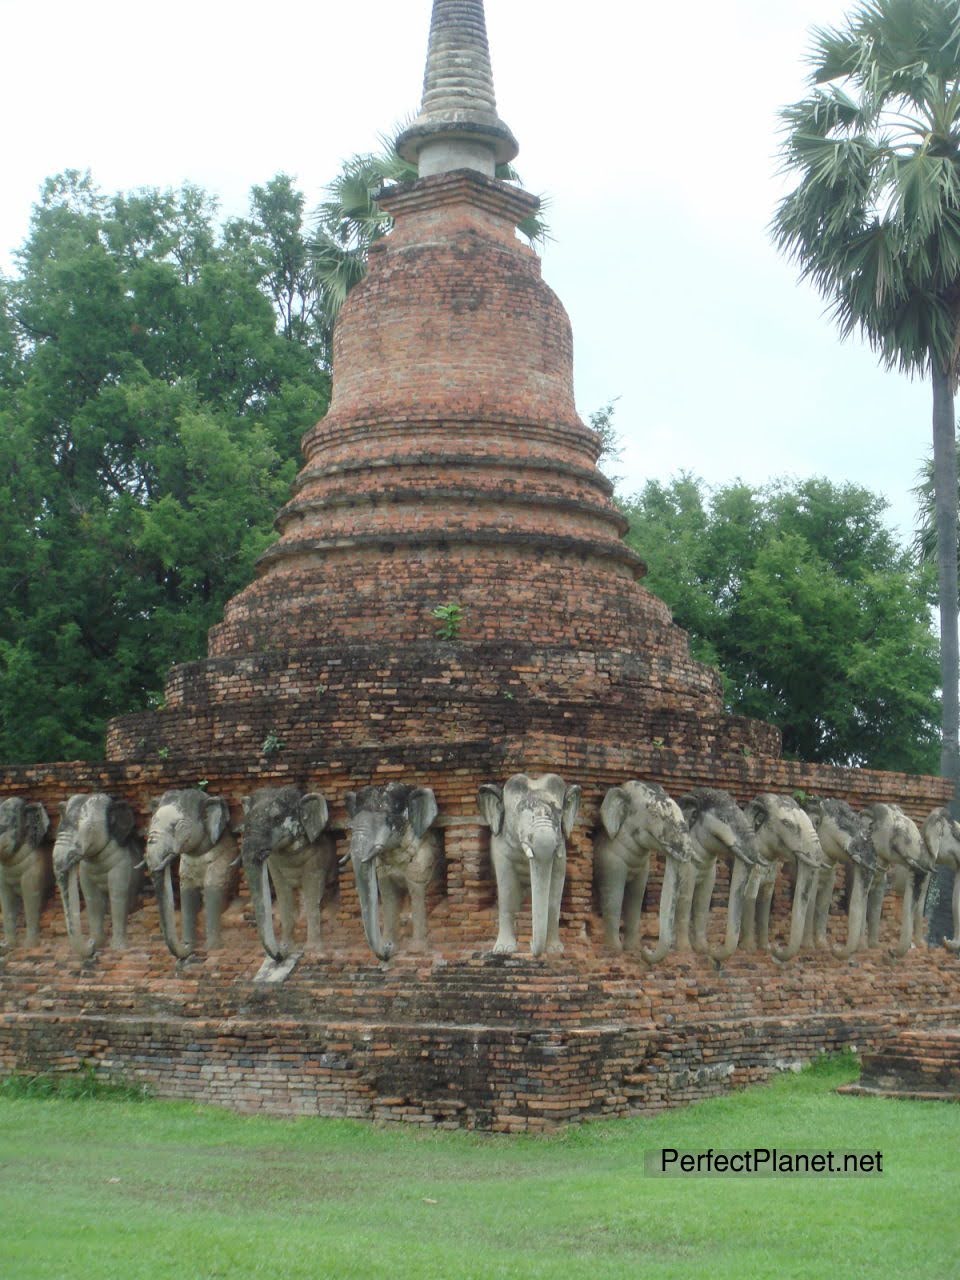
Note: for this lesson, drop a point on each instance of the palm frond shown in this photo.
(874, 220)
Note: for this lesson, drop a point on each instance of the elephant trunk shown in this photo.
(668, 913)
(739, 879)
(953, 944)
(541, 875)
(258, 878)
(163, 885)
(857, 914)
(806, 879)
(906, 922)
(68, 878)
(365, 871)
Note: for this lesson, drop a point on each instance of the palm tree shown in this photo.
(925, 534)
(350, 220)
(874, 223)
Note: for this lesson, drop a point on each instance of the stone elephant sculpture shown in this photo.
(193, 827)
(530, 820)
(26, 874)
(784, 834)
(718, 829)
(283, 841)
(393, 851)
(941, 835)
(638, 819)
(97, 850)
(845, 842)
(903, 861)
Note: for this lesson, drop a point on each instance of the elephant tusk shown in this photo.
(527, 850)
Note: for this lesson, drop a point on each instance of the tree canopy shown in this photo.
(157, 371)
(818, 620)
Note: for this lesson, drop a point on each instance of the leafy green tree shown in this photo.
(874, 222)
(156, 375)
(818, 620)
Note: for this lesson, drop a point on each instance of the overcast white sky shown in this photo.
(651, 126)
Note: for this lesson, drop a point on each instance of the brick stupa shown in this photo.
(452, 467)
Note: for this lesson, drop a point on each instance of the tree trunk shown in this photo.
(945, 493)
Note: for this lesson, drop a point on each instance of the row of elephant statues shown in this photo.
(395, 851)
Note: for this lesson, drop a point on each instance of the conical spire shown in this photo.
(458, 126)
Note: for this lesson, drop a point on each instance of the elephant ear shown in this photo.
(36, 822)
(614, 810)
(690, 808)
(490, 800)
(421, 809)
(314, 815)
(121, 821)
(350, 800)
(216, 818)
(757, 814)
(933, 831)
(571, 807)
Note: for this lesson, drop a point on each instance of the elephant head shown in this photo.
(640, 818)
(843, 837)
(784, 833)
(24, 868)
(276, 821)
(21, 823)
(88, 825)
(530, 820)
(383, 819)
(186, 823)
(941, 835)
(900, 847)
(718, 826)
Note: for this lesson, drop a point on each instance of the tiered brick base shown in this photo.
(486, 1042)
(922, 1064)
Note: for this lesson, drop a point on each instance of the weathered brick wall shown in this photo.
(488, 1042)
(432, 692)
(453, 316)
(915, 1062)
(464, 911)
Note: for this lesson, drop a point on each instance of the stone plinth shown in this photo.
(484, 1042)
(920, 1063)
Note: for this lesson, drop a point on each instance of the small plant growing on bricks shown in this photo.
(271, 744)
(449, 618)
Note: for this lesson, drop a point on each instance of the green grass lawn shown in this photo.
(124, 1190)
